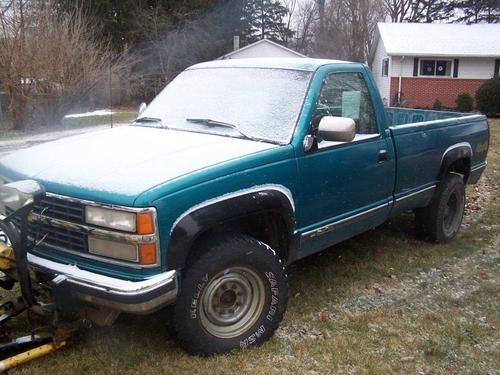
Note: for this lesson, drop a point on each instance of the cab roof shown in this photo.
(292, 63)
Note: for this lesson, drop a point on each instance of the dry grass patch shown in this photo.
(379, 303)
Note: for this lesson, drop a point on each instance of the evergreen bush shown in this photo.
(437, 106)
(465, 102)
(488, 97)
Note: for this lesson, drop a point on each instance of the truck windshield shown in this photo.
(262, 104)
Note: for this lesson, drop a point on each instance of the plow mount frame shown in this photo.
(51, 332)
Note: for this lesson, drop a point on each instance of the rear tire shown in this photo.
(441, 220)
(232, 297)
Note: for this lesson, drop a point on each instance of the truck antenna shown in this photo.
(110, 96)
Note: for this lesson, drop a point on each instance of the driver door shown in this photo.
(347, 186)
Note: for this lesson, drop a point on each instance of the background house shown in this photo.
(415, 64)
(261, 48)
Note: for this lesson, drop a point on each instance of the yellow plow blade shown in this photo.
(7, 259)
(30, 355)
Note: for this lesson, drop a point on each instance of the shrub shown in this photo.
(437, 106)
(488, 97)
(49, 62)
(464, 102)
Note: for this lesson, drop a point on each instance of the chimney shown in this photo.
(236, 42)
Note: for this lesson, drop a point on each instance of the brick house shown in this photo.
(415, 64)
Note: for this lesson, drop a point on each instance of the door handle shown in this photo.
(383, 156)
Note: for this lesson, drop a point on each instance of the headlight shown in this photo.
(136, 248)
(141, 222)
(113, 249)
(109, 218)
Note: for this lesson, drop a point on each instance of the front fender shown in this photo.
(196, 221)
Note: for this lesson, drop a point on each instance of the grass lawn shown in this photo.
(379, 303)
(121, 116)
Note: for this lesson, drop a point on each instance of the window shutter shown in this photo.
(415, 67)
(455, 68)
(497, 68)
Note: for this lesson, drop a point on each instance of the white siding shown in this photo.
(261, 50)
(383, 83)
(476, 68)
(468, 68)
(402, 66)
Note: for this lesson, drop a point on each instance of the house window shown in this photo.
(439, 68)
(385, 67)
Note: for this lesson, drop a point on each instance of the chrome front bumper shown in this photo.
(138, 297)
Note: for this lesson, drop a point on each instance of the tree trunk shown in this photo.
(18, 112)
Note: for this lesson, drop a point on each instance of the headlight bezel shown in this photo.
(111, 218)
(141, 221)
(142, 231)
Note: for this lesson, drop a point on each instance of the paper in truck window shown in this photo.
(351, 101)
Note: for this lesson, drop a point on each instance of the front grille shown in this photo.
(52, 235)
(59, 237)
(62, 209)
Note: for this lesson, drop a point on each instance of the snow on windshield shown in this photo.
(262, 103)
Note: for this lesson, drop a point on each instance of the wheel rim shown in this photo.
(453, 213)
(232, 302)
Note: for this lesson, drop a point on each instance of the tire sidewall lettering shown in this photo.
(252, 339)
(225, 252)
(193, 312)
(274, 293)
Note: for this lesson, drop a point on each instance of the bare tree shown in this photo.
(291, 7)
(306, 19)
(49, 62)
(5, 6)
(398, 10)
(345, 28)
(419, 10)
(169, 46)
(476, 11)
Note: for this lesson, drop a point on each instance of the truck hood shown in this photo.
(124, 161)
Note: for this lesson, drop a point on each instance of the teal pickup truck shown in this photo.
(235, 170)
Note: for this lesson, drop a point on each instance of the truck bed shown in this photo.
(421, 139)
(405, 116)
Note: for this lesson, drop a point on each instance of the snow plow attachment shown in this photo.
(49, 332)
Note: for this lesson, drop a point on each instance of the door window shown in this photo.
(346, 95)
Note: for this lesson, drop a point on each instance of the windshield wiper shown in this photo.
(212, 123)
(150, 121)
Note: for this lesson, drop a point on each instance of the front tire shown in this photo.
(441, 220)
(233, 296)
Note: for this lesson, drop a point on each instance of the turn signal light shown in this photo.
(147, 253)
(145, 223)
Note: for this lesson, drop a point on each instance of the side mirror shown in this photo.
(142, 107)
(19, 194)
(337, 129)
